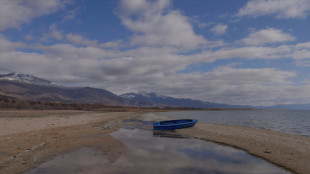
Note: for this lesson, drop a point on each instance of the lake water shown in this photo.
(148, 152)
(288, 121)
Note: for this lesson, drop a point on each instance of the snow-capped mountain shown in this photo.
(142, 99)
(25, 78)
(145, 99)
(141, 94)
(26, 86)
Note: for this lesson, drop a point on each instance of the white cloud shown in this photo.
(303, 63)
(137, 5)
(302, 51)
(80, 40)
(156, 25)
(74, 38)
(249, 52)
(155, 69)
(280, 8)
(262, 76)
(71, 52)
(299, 52)
(155, 63)
(111, 44)
(6, 45)
(266, 36)
(302, 54)
(266, 86)
(53, 33)
(219, 29)
(13, 13)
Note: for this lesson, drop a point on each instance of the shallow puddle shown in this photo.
(160, 152)
(152, 154)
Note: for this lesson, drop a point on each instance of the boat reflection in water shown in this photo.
(167, 134)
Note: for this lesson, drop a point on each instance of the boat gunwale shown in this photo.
(190, 121)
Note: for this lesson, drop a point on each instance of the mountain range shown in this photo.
(25, 86)
(144, 99)
(29, 87)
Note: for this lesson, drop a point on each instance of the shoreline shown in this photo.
(39, 135)
(288, 151)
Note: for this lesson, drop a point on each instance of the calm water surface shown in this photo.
(288, 121)
(148, 152)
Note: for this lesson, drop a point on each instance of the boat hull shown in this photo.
(174, 124)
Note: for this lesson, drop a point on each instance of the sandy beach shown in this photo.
(288, 151)
(29, 138)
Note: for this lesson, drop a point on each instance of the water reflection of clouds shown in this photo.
(153, 155)
(186, 156)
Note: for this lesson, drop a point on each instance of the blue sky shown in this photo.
(236, 52)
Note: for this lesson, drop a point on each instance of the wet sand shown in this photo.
(288, 151)
(28, 138)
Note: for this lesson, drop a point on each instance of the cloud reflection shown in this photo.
(171, 155)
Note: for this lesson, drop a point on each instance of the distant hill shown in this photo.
(144, 99)
(290, 106)
(28, 87)
(25, 86)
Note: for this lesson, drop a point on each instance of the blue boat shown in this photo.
(174, 124)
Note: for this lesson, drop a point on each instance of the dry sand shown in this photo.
(22, 121)
(28, 138)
